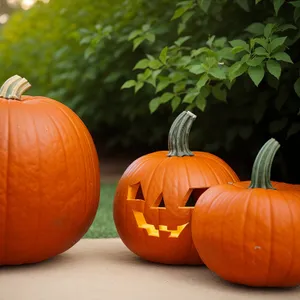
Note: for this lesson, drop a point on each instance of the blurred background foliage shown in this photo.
(82, 52)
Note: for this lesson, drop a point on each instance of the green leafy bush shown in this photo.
(236, 64)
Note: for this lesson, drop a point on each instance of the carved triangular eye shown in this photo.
(135, 192)
(162, 202)
(194, 196)
(140, 194)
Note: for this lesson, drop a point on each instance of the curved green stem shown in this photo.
(14, 87)
(178, 142)
(261, 170)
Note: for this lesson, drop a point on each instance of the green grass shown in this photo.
(103, 225)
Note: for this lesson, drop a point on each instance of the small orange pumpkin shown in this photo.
(155, 197)
(248, 234)
(49, 176)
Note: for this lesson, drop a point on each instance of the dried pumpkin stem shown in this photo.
(261, 171)
(178, 142)
(14, 87)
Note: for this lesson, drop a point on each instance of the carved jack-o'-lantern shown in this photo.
(156, 195)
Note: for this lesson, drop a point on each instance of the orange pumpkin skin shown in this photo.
(49, 183)
(156, 230)
(249, 235)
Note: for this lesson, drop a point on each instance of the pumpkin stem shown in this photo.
(261, 171)
(14, 87)
(178, 142)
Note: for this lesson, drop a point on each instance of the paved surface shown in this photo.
(105, 269)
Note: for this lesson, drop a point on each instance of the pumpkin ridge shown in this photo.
(39, 186)
(220, 162)
(135, 168)
(4, 245)
(81, 150)
(210, 168)
(271, 214)
(290, 268)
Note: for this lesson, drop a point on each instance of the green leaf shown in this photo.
(285, 27)
(261, 41)
(257, 1)
(243, 4)
(146, 74)
(182, 40)
(163, 83)
(197, 69)
(268, 30)
(218, 73)
(134, 34)
(204, 4)
(154, 104)
(128, 84)
(282, 56)
(261, 51)
(137, 41)
(219, 93)
(190, 97)
(236, 70)
(150, 37)
(163, 55)
(277, 43)
(226, 53)
(155, 64)
(245, 58)
(297, 87)
(175, 103)
(166, 97)
(199, 51)
(256, 61)
(237, 49)
(152, 79)
(180, 11)
(142, 64)
(138, 86)
(177, 76)
(210, 41)
(256, 28)
(179, 87)
(256, 74)
(295, 3)
(295, 128)
(278, 125)
(201, 102)
(239, 43)
(274, 68)
(202, 81)
(277, 4)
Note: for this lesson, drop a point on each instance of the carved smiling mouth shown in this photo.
(152, 231)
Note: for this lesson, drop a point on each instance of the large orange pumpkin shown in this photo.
(155, 197)
(49, 176)
(249, 234)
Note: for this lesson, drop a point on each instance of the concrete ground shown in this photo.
(105, 269)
